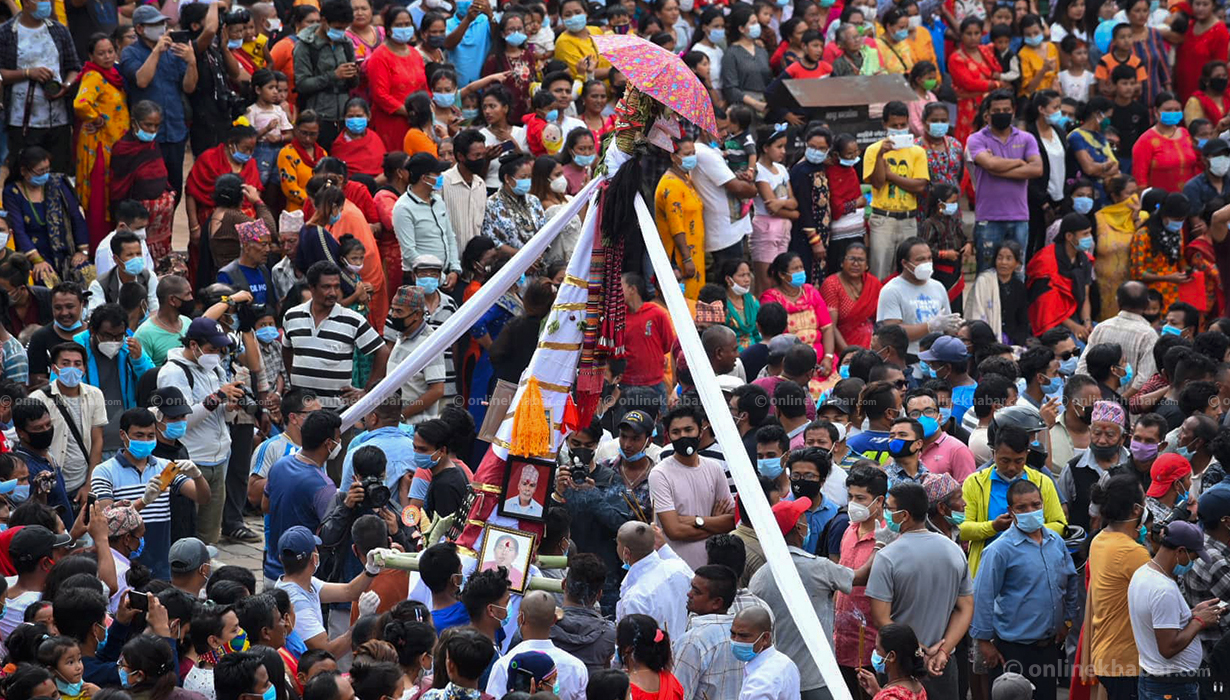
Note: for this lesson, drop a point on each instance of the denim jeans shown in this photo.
(1151, 688)
(989, 234)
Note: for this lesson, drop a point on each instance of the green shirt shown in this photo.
(157, 341)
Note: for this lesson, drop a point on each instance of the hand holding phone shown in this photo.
(138, 600)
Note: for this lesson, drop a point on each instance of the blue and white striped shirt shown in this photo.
(118, 479)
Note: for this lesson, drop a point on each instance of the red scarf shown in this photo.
(309, 161)
(1211, 110)
(111, 75)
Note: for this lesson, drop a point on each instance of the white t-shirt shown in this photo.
(777, 176)
(1154, 602)
(15, 610)
(715, 62)
(308, 622)
(1058, 33)
(103, 261)
(1055, 155)
(912, 303)
(1075, 86)
(724, 224)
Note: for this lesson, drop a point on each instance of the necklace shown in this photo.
(853, 290)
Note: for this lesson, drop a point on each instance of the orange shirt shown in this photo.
(416, 141)
(354, 223)
(1108, 63)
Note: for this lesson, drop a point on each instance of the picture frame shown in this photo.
(513, 500)
(512, 549)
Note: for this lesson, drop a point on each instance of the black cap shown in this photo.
(638, 421)
(170, 401)
(423, 163)
(1215, 147)
(34, 543)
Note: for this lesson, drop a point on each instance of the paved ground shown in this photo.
(246, 555)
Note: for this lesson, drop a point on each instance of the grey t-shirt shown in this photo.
(921, 574)
(912, 303)
(821, 578)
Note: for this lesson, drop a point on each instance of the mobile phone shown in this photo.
(508, 146)
(181, 36)
(90, 500)
(138, 600)
(1223, 605)
(522, 680)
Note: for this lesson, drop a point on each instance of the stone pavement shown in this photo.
(249, 556)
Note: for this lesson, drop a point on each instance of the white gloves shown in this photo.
(374, 564)
(189, 469)
(152, 490)
(885, 536)
(944, 323)
(368, 602)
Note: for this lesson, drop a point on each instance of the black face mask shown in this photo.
(805, 489)
(397, 324)
(40, 440)
(686, 446)
(1151, 318)
(1001, 121)
(583, 455)
(1104, 453)
(477, 166)
(1217, 84)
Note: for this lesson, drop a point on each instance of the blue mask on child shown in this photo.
(552, 115)
(268, 334)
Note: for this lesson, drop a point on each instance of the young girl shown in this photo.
(446, 115)
(356, 293)
(1077, 80)
(62, 657)
(775, 204)
(540, 124)
(284, 95)
(942, 231)
(270, 120)
(274, 375)
(898, 657)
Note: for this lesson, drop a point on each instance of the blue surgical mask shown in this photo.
(176, 430)
(901, 35)
(1085, 244)
(69, 689)
(516, 38)
(1068, 367)
(1185, 452)
(439, 183)
(522, 186)
(929, 425)
(626, 457)
(69, 329)
(551, 115)
(938, 130)
(1180, 570)
(1127, 377)
(848, 162)
(877, 662)
(716, 36)
(815, 156)
(146, 136)
(1200, 144)
(469, 113)
(402, 35)
(1035, 40)
(1170, 118)
(356, 125)
(687, 163)
(575, 23)
(424, 461)
(335, 218)
(1174, 226)
(925, 369)
(892, 524)
(798, 278)
(1031, 521)
(1171, 330)
(123, 675)
(770, 467)
(583, 161)
(21, 493)
(234, 44)
(1082, 205)
(70, 376)
(135, 266)
(744, 651)
(39, 180)
(271, 693)
(753, 32)
(949, 208)
(241, 157)
(1053, 386)
(141, 448)
(844, 371)
(335, 34)
(1058, 119)
(42, 10)
(140, 548)
(444, 99)
(945, 414)
(267, 334)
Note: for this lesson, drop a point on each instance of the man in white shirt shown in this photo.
(657, 582)
(722, 193)
(770, 674)
(130, 215)
(536, 618)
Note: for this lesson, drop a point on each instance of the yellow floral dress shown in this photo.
(1116, 227)
(1144, 259)
(98, 97)
(678, 209)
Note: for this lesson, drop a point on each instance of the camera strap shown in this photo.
(72, 425)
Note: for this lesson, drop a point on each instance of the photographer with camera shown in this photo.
(382, 429)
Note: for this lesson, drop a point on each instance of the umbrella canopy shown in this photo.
(660, 74)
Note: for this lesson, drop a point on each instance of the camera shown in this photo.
(375, 494)
(247, 403)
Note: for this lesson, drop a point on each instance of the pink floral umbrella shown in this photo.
(660, 74)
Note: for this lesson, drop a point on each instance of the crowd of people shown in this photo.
(981, 365)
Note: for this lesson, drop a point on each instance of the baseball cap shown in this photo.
(945, 349)
(148, 14)
(207, 330)
(788, 512)
(638, 421)
(1012, 686)
(33, 543)
(536, 663)
(1216, 147)
(299, 542)
(429, 261)
(122, 520)
(1214, 505)
(1181, 533)
(170, 401)
(190, 554)
(1166, 470)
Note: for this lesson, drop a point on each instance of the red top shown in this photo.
(364, 154)
(797, 71)
(391, 79)
(1158, 161)
(1198, 49)
(669, 688)
(648, 336)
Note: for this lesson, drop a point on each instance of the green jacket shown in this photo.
(316, 59)
(978, 528)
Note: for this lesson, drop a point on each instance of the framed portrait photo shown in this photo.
(510, 549)
(527, 485)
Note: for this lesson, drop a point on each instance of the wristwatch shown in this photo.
(699, 523)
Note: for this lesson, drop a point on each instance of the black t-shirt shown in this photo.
(754, 359)
(446, 492)
(1168, 408)
(95, 17)
(39, 350)
(1130, 120)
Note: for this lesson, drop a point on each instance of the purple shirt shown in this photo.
(1000, 198)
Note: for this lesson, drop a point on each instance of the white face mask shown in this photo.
(858, 512)
(154, 32)
(1219, 165)
(139, 232)
(209, 361)
(333, 453)
(4, 238)
(916, 21)
(275, 25)
(559, 185)
(111, 348)
(922, 271)
(739, 289)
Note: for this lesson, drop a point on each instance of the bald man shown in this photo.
(536, 618)
(657, 582)
(769, 674)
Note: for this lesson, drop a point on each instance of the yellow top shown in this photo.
(1031, 62)
(571, 49)
(294, 175)
(906, 162)
(678, 209)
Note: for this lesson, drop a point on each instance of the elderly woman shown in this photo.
(852, 296)
(856, 58)
(513, 214)
(139, 172)
(678, 212)
(1156, 254)
(102, 109)
(233, 197)
(46, 220)
(998, 296)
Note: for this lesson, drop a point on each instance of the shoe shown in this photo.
(243, 534)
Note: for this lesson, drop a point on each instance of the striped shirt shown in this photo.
(324, 354)
(117, 479)
(271, 451)
(435, 319)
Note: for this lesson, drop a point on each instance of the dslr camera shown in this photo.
(375, 494)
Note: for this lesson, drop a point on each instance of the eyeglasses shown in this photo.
(932, 412)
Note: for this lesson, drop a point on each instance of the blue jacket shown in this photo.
(128, 380)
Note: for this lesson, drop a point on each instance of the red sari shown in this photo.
(972, 80)
(1197, 50)
(213, 164)
(669, 688)
(391, 79)
(854, 316)
(1211, 111)
(1058, 302)
(362, 154)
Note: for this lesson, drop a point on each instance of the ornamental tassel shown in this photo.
(531, 433)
